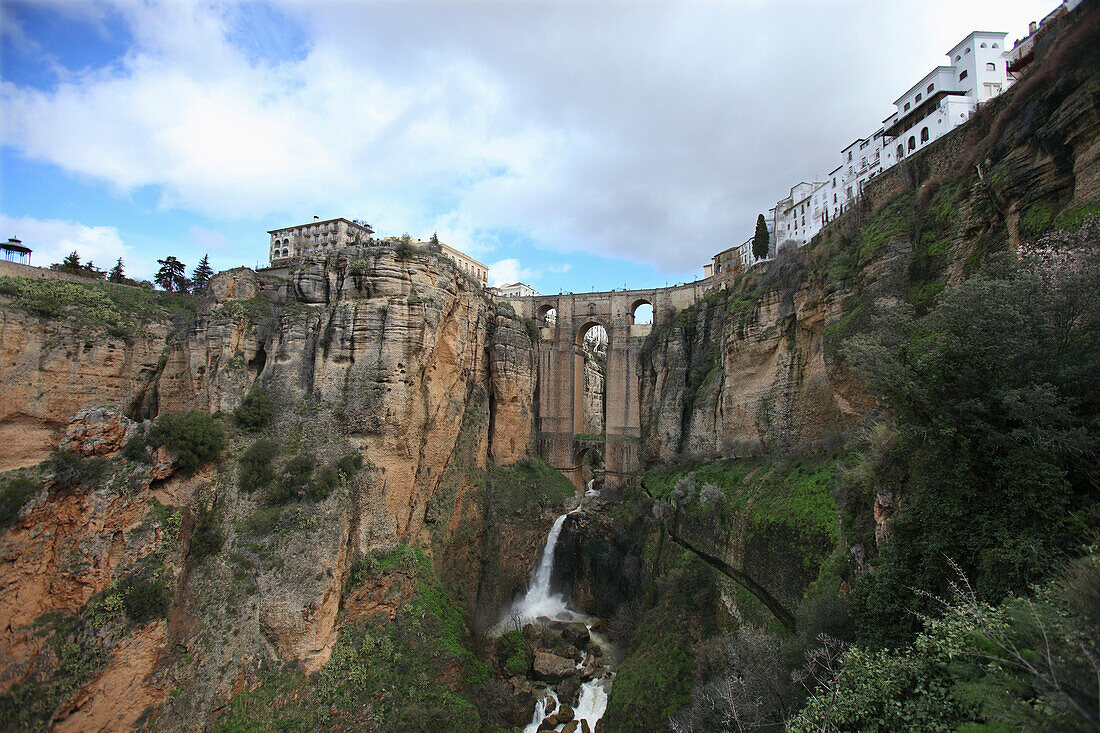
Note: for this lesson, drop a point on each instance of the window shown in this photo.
(901, 152)
(931, 87)
(962, 75)
(834, 198)
(850, 152)
(958, 58)
(966, 51)
(906, 106)
(912, 143)
(995, 46)
(924, 135)
(991, 67)
(918, 97)
(982, 46)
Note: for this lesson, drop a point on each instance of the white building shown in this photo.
(947, 96)
(800, 216)
(517, 290)
(944, 99)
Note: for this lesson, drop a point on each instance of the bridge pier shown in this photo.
(561, 371)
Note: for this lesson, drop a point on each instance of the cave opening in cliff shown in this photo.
(589, 405)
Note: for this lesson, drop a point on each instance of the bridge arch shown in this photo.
(641, 311)
(546, 315)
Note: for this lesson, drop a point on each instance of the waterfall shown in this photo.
(539, 601)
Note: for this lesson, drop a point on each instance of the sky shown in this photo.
(574, 146)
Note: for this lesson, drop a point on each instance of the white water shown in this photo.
(546, 705)
(540, 601)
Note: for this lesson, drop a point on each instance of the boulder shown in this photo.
(570, 727)
(550, 667)
(99, 432)
(565, 714)
(576, 633)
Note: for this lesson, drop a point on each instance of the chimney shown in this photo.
(316, 218)
(1032, 27)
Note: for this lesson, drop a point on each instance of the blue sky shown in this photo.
(570, 145)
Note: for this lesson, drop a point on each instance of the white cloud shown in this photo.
(655, 132)
(509, 270)
(52, 240)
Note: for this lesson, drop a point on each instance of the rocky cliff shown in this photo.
(393, 357)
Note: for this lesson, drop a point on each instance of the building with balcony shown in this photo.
(317, 238)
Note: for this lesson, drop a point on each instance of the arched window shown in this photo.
(912, 143)
(931, 87)
(924, 135)
(907, 106)
(918, 97)
(995, 46)
(991, 67)
(901, 152)
(983, 45)
(962, 75)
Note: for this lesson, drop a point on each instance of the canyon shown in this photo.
(458, 457)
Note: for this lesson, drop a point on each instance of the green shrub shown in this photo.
(349, 464)
(14, 495)
(255, 465)
(70, 471)
(515, 655)
(144, 598)
(322, 484)
(404, 250)
(254, 412)
(136, 449)
(295, 480)
(195, 437)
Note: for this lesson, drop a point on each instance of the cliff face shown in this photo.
(756, 368)
(401, 360)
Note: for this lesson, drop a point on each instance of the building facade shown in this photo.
(317, 238)
(517, 290)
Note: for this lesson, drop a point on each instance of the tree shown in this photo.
(71, 263)
(992, 397)
(434, 245)
(116, 275)
(760, 240)
(170, 275)
(202, 274)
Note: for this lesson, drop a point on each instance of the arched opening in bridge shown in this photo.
(589, 467)
(641, 312)
(589, 405)
(547, 316)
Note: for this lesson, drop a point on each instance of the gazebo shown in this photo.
(14, 251)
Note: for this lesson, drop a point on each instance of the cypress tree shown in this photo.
(116, 275)
(760, 240)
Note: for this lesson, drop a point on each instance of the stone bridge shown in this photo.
(565, 319)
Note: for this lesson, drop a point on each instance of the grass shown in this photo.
(527, 487)
(118, 310)
(415, 672)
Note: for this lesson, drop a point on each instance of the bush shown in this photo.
(144, 599)
(515, 655)
(255, 465)
(295, 480)
(14, 495)
(136, 450)
(350, 464)
(404, 250)
(69, 471)
(195, 437)
(254, 412)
